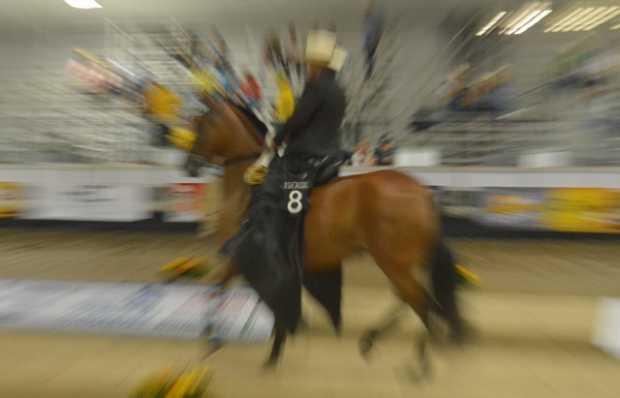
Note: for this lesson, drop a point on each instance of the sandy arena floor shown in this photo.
(534, 315)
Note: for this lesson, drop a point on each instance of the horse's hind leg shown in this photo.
(414, 294)
(389, 322)
(398, 271)
(409, 289)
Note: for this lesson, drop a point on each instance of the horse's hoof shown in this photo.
(367, 342)
(338, 332)
(425, 371)
(459, 337)
(303, 325)
(419, 376)
(462, 333)
(270, 364)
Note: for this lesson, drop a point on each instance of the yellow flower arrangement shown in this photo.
(191, 383)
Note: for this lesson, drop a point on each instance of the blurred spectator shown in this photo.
(374, 20)
(274, 55)
(206, 82)
(493, 93)
(294, 54)
(220, 45)
(285, 101)
(196, 48)
(384, 152)
(161, 106)
(223, 67)
(455, 89)
(251, 90)
(361, 156)
(92, 72)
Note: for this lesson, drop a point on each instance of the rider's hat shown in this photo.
(320, 47)
(338, 59)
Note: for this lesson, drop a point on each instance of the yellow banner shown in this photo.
(11, 200)
(582, 210)
(511, 204)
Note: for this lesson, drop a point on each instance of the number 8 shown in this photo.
(294, 202)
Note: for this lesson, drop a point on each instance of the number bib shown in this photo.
(296, 195)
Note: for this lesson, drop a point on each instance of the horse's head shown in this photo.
(222, 135)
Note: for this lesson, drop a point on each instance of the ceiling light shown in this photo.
(534, 21)
(562, 22)
(83, 4)
(592, 17)
(491, 24)
(570, 25)
(509, 28)
(535, 12)
(600, 18)
(557, 21)
(570, 19)
(611, 13)
(523, 22)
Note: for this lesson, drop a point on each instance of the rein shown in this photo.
(241, 159)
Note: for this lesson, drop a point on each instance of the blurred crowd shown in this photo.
(469, 95)
(209, 62)
(583, 71)
(381, 154)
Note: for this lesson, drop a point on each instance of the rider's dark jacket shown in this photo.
(268, 250)
(313, 127)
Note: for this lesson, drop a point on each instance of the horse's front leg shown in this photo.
(280, 334)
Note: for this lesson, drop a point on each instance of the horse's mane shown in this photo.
(258, 129)
(258, 124)
(254, 126)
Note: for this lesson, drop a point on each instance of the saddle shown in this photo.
(322, 169)
(301, 175)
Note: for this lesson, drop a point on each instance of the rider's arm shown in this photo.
(302, 116)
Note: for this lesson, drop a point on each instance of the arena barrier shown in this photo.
(607, 326)
(109, 193)
(562, 200)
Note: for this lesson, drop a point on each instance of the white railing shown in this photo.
(503, 143)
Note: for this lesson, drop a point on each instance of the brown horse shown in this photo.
(386, 213)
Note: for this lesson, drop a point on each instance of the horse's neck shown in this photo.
(233, 179)
(233, 139)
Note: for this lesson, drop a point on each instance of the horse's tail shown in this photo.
(445, 281)
(444, 275)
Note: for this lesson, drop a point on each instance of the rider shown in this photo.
(262, 248)
(314, 96)
(313, 129)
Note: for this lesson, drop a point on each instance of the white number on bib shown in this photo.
(294, 202)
